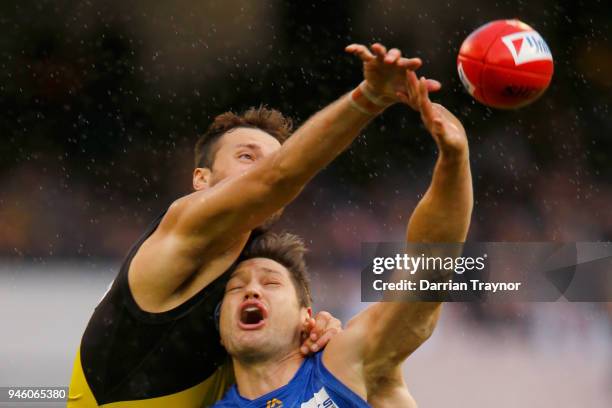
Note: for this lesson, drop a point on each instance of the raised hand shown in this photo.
(385, 72)
(446, 130)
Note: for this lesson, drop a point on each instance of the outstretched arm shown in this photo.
(380, 338)
(275, 180)
(442, 216)
(204, 225)
(444, 212)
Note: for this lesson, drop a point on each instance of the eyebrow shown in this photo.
(268, 270)
(252, 146)
(263, 268)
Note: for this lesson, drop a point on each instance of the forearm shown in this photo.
(443, 214)
(320, 139)
(275, 180)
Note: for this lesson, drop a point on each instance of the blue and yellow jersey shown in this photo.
(313, 386)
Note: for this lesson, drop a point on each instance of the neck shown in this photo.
(255, 379)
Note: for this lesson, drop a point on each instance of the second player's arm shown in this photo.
(379, 339)
(442, 216)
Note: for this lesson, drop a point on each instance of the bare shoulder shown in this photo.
(390, 392)
(170, 267)
(156, 269)
(343, 355)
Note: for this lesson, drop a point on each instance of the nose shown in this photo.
(251, 293)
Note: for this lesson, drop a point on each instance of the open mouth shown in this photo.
(252, 315)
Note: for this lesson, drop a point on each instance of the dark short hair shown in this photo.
(270, 121)
(288, 250)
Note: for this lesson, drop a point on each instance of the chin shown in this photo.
(250, 339)
(257, 350)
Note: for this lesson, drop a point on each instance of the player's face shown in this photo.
(261, 317)
(239, 149)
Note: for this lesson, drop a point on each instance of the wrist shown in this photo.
(453, 156)
(375, 96)
(368, 102)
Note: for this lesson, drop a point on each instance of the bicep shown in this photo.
(208, 226)
(372, 345)
(346, 354)
(199, 234)
(370, 350)
(220, 214)
(158, 268)
(395, 330)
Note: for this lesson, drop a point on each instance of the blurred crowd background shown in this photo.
(102, 101)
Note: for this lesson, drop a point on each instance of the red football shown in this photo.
(505, 64)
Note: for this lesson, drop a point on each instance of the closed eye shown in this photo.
(233, 289)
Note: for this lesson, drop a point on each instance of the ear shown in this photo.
(306, 318)
(201, 178)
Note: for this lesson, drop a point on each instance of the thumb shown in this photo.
(309, 324)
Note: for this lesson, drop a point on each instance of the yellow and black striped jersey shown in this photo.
(129, 358)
